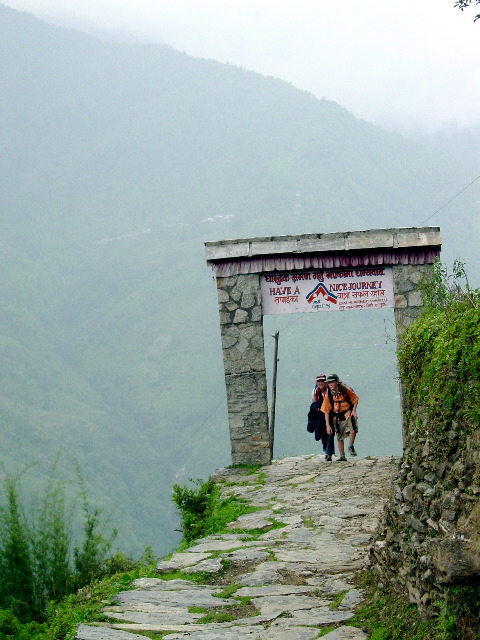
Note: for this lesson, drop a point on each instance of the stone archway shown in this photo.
(294, 274)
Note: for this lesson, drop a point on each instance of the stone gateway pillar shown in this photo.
(241, 326)
(298, 274)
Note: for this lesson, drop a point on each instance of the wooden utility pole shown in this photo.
(274, 395)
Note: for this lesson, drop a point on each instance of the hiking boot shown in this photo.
(341, 459)
(328, 457)
(351, 450)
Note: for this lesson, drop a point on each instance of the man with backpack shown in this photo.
(340, 411)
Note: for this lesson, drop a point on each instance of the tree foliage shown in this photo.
(37, 564)
(17, 584)
(463, 4)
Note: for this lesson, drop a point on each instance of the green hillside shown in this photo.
(118, 161)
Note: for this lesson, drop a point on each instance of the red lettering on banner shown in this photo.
(277, 279)
(280, 291)
(301, 276)
(340, 274)
(373, 284)
(370, 272)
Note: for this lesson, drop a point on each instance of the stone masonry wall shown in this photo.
(429, 540)
(408, 302)
(241, 326)
(408, 306)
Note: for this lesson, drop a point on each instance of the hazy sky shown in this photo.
(402, 64)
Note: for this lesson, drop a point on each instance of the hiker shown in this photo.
(320, 384)
(339, 412)
(316, 418)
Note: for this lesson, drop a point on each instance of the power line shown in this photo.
(156, 476)
(451, 200)
(299, 317)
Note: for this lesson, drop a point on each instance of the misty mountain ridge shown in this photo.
(119, 161)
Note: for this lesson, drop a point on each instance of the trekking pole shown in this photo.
(274, 395)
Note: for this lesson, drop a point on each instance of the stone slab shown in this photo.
(248, 555)
(265, 573)
(346, 633)
(321, 616)
(335, 557)
(289, 632)
(224, 545)
(161, 616)
(352, 599)
(275, 605)
(153, 628)
(157, 584)
(273, 590)
(212, 565)
(402, 237)
(224, 633)
(180, 561)
(86, 632)
(180, 598)
(250, 523)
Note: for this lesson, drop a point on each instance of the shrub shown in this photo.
(195, 506)
(439, 354)
(204, 511)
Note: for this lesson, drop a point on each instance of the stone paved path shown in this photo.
(290, 582)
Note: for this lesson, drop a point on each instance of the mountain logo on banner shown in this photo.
(321, 289)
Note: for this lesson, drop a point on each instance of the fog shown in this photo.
(403, 65)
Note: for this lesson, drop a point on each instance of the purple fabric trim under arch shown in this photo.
(268, 264)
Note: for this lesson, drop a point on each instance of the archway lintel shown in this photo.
(402, 245)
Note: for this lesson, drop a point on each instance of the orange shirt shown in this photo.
(339, 402)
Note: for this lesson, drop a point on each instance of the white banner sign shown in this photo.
(328, 290)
